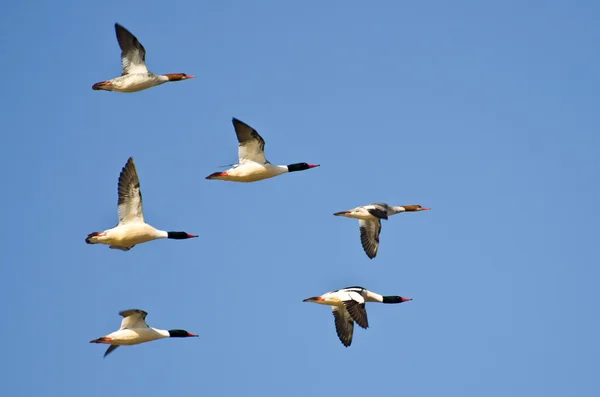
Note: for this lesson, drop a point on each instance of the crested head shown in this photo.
(180, 235)
(180, 333)
(301, 166)
(395, 299)
(414, 208)
(178, 76)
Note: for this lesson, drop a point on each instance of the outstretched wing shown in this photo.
(133, 54)
(251, 145)
(355, 305)
(133, 318)
(130, 195)
(369, 236)
(110, 349)
(344, 325)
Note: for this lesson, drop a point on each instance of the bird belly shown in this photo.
(134, 83)
(251, 172)
(127, 337)
(126, 236)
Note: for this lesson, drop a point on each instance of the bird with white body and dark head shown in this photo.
(134, 330)
(252, 164)
(348, 307)
(132, 228)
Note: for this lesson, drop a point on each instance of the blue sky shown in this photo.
(485, 111)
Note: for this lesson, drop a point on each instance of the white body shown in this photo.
(347, 306)
(136, 82)
(250, 171)
(128, 235)
(369, 221)
(135, 336)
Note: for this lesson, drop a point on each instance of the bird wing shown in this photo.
(355, 305)
(130, 195)
(378, 210)
(133, 54)
(369, 236)
(110, 349)
(252, 146)
(344, 325)
(133, 318)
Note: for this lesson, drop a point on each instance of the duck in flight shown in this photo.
(134, 331)
(369, 220)
(253, 166)
(135, 76)
(132, 229)
(348, 307)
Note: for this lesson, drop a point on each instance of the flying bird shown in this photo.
(134, 331)
(135, 76)
(131, 229)
(253, 166)
(348, 307)
(369, 220)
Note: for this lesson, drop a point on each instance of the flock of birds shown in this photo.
(348, 304)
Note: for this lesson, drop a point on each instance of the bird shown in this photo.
(369, 220)
(253, 166)
(348, 307)
(131, 229)
(135, 76)
(134, 331)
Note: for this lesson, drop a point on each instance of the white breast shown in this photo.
(252, 172)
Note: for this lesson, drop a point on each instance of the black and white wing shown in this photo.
(378, 210)
(133, 54)
(252, 146)
(130, 195)
(344, 325)
(369, 236)
(133, 318)
(355, 305)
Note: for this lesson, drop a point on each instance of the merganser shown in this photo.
(131, 229)
(348, 306)
(135, 76)
(253, 166)
(370, 216)
(134, 331)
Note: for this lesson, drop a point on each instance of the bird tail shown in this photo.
(90, 239)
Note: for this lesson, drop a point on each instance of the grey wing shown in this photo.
(369, 236)
(133, 54)
(130, 195)
(133, 318)
(110, 349)
(251, 144)
(116, 247)
(344, 325)
(379, 210)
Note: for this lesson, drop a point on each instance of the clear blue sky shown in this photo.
(488, 112)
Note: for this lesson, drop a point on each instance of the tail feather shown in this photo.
(89, 240)
(102, 339)
(215, 175)
(103, 85)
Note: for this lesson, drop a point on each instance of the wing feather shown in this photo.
(369, 236)
(251, 144)
(133, 318)
(133, 53)
(344, 325)
(130, 195)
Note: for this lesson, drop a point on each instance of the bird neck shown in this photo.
(162, 332)
(395, 209)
